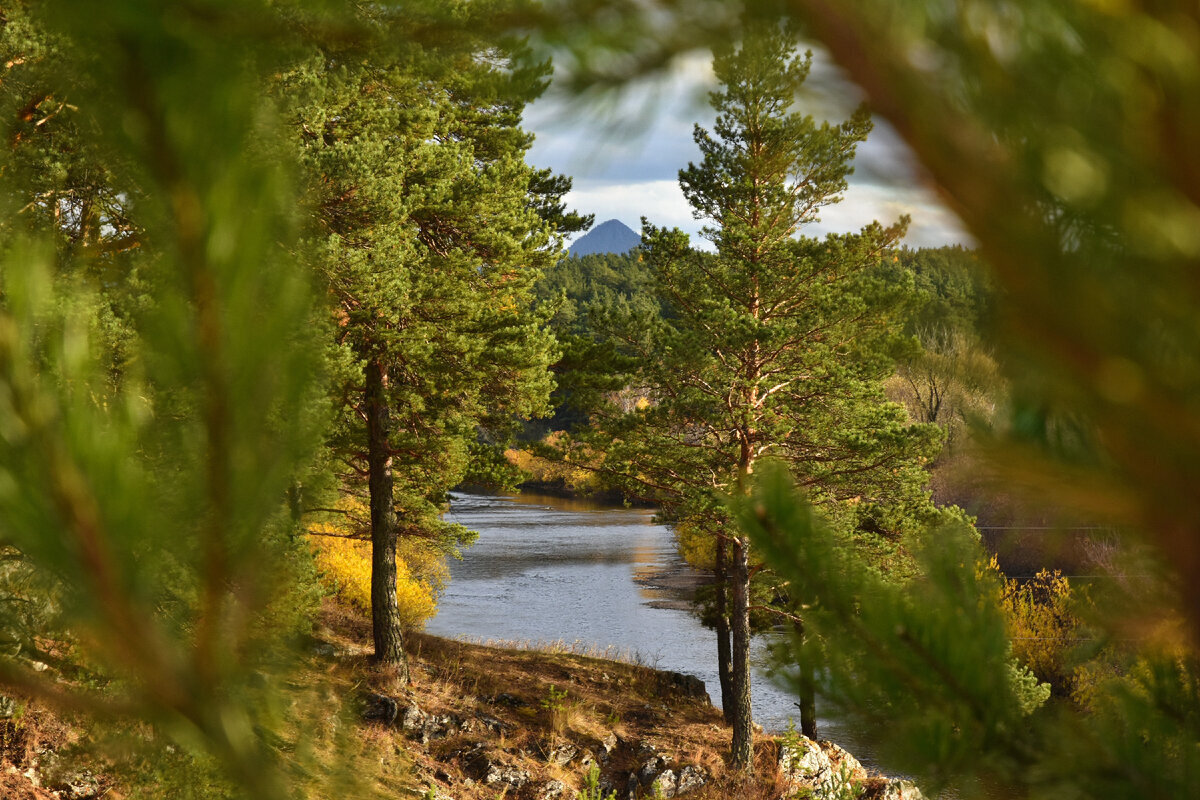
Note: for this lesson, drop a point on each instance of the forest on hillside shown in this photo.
(276, 276)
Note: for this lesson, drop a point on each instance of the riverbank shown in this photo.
(479, 721)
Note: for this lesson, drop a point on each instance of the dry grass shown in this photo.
(594, 696)
(545, 695)
(522, 704)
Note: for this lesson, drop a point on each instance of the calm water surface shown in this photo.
(548, 569)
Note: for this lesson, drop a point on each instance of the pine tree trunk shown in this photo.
(385, 612)
(742, 756)
(724, 654)
(808, 692)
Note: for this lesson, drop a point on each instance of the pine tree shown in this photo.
(431, 230)
(772, 347)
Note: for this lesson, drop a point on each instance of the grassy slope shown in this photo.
(543, 714)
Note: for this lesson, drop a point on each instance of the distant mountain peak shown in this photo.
(610, 236)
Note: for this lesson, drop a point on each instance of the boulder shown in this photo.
(691, 778)
(897, 789)
(651, 769)
(380, 708)
(492, 772)
(804, 765)
(665, 785)
(412, 720)
(682, 684)
(825, 771)
(843, 762)
(563, 754)
(552, 790)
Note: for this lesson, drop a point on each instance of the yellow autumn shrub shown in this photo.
(697, 545)
(345, 569)
(573, 472)
(1043, 625)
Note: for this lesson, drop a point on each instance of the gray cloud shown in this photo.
(625, 151)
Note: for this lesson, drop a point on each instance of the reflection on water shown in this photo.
(551, 569)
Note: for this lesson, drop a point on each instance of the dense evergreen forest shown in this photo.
(276, 276)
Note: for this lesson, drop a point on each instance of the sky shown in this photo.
(625, 152)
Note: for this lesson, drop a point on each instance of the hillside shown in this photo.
(485, 721)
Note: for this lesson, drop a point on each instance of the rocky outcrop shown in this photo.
(825, 771)
(463, 752)
(657, 774)
(488, 766)
(681, 684)
(900, 790)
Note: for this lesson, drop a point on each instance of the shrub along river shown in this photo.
(548, 569)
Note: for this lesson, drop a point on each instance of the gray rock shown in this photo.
(804, 766)
(551, 790)
(563, 754)
(491, 772)
(824, 770)
(691, 778)
(437, 728)
(507, 775)
(8, 707)
(412, 720)
(609, 743)
(682, 684)
(843, 761)
(381, 708)
(323, 649)
(646, 750)
(492, 724)
(71, 783)
(900, 790)
(667, 784)
(651, 769)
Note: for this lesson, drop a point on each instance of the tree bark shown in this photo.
(742, 755)
(724, 653)
(385, 611)
(808, 692)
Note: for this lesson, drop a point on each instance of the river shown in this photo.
(548, 569)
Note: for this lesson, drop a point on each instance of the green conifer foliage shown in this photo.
(157, 376)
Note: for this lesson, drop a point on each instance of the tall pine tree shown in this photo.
(774, 346)
(431, 230)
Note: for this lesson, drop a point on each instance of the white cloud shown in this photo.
(625, 155)
(660, 201)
